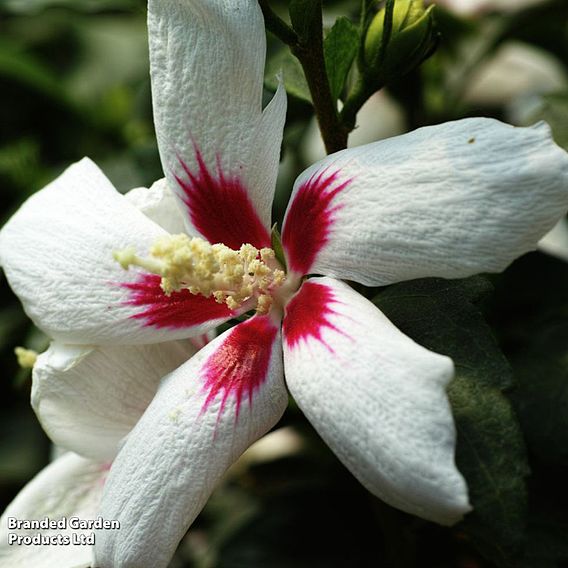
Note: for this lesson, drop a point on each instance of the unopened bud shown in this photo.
(412, 39)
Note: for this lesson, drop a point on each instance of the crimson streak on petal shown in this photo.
(240, 365)
(307, 315)
(220, 208)
(179, 310)
(309, 219)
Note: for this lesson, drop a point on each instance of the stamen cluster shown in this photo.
(230, 276)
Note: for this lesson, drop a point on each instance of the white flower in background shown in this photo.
(474, 7)
(516, 77)
(448, 201)
(379, 118)
(515, 70)
(88, 399)
(71, 486)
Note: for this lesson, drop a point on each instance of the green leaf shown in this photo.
(445, 317)
(532, 309)
(340, 48)
(442, 315)
(289, 67)
(491, 456)
(304, 15)
(555, 111)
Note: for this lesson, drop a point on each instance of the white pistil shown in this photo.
(230, 276)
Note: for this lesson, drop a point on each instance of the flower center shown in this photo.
(230, 276)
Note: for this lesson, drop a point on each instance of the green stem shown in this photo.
(277, 25)
(310, 54)
(367, 82)
(356, 98)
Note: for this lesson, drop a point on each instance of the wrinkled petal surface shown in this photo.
(451, 200)
(219, 151)
(69, 487)
(377, 399)
(159, 204)
(88, 398)
(57, 252)
(205, 414)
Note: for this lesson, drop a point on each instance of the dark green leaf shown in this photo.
(289, 67)
(444, 316)
(554, 110)
(304, 15)
(491, 456)
(340, 48)
(532, 307)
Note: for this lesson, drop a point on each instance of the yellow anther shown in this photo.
(267, 254)
(26, 357)
(264, 304)
(232, 303)
(230, 276)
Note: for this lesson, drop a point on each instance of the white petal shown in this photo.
(450, 200)
(57, 252)
(69, 487)
(377, 398)
(206, 413)
(207, 66)
(265, 154)
(159, 204)
(556, 241)
(89, 398)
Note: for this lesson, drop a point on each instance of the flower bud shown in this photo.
(412, 39)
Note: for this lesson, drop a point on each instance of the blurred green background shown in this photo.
(74, 82)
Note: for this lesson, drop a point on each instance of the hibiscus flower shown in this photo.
(447, 201)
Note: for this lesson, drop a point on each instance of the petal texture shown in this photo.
(69, 487)
(450, 200)
(57, 252)
(159, 204)
(206, 413)
(377, 398)
(89, 398)
(219, 151)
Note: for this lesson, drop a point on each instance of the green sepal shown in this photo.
(276, 241)
(390, 52)
(340, 48)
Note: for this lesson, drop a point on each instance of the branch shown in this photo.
(277, 25)
(310, 54)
